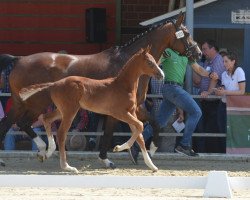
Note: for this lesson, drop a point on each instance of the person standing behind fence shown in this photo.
(174, 67)
(209, 107)
(233, 82)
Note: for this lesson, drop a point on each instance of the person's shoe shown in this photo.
(152, 149)
(188, 151)
(134, 153)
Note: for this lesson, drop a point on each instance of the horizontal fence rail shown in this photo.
(162, 134)
(100, 133)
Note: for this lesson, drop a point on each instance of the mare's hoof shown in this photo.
(41, 158)
(112, 165)
(107, 163)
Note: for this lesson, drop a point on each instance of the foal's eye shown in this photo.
(150, 63)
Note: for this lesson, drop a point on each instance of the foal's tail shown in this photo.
(27, 92)
(6, 60)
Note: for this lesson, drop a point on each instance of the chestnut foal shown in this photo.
(114, 96)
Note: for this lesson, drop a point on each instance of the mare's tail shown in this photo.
(27, 92)
(6, 60)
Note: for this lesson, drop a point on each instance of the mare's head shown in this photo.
(182, 40)
(148, 65)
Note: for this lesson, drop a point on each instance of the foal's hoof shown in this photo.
(117, 148)
(155, 169)
(71, 169)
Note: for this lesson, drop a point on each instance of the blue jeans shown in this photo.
(175, 96)
(147, 132)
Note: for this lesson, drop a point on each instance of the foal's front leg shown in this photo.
(131, 120)
(145, 155)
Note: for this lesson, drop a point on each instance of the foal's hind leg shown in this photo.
(48, 119)
(61, 137)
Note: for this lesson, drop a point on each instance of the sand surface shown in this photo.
(168, 166)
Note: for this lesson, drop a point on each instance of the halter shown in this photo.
(180, 36)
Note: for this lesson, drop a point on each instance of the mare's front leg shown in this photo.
(106, 140)
(24, 123)
(47, 120)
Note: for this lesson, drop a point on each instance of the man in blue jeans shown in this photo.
(174, 66)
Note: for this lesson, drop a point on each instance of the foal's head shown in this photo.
(149, 66)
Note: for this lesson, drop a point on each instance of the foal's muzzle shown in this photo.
(160, 75)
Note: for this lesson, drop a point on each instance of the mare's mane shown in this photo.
(140, 35)
(128, 63)
(116, 50)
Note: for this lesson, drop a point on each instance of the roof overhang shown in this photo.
(175, 12)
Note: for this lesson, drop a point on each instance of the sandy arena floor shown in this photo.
(171, 165)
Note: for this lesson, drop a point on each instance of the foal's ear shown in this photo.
(180, 19)
(148, 48)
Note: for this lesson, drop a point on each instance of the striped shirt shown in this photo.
(215, 65)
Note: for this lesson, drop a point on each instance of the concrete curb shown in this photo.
(124, 155)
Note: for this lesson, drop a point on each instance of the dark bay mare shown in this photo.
(115, 97)
(49, 67)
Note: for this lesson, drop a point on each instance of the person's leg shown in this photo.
(184, 101)
(166, 110)
(193, 114)
(9, 141)
(222, 124)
